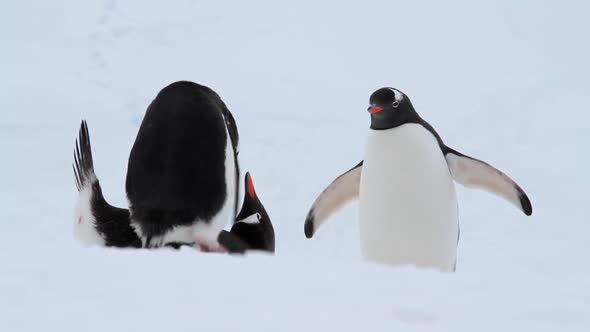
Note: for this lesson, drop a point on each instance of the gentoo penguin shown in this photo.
(97, 222)
(182, 174)
(408, 205)
(253, 224)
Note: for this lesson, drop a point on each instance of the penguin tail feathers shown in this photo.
(341, 191)
(83, 165)
(97, 222)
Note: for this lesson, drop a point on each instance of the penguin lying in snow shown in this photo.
(182, 178)
(253, 224)
(408, 206)
(97, 222)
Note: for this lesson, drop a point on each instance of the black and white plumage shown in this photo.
(253, 224)
(408, 205)
(97, 222)
(183, 171)
(342, 190)
(468, 171)
(182, 180)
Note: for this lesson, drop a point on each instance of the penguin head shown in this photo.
(390, 108)
(253, 223)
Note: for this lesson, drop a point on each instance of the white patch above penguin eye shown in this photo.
(398, 97)
(252, 219)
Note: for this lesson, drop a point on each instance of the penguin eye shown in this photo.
(395, 104)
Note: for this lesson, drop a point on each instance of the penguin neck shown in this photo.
(392, 118)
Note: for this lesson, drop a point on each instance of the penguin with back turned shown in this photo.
(182, 174)
(408, 206)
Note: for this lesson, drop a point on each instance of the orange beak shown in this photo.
(250, 185)
(375, 109)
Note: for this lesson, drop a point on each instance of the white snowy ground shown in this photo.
(504, 81)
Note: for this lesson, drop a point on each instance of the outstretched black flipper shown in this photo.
(97, 222)
(474, 173)
(342, 190)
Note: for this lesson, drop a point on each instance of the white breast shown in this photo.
(408, 206)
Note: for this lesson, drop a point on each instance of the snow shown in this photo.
(502, 81)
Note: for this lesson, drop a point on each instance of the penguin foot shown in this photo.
(207, 246)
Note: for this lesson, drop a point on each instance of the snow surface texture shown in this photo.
(503, 81)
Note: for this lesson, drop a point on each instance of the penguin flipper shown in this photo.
(474, 173)
(341, 191)
(97, 222)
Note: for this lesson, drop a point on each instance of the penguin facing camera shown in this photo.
(408, 205)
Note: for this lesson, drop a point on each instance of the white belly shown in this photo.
(408, 206)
